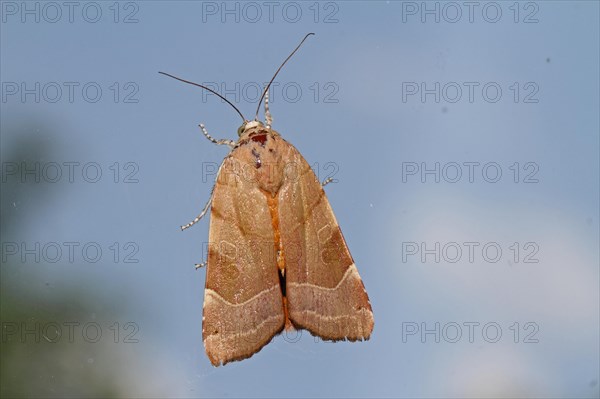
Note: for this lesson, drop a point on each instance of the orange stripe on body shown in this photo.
(273, 203)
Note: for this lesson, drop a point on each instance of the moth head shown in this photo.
(247, 126)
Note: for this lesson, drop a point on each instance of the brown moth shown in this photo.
(276, 255)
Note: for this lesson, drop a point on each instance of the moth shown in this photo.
(276, 255)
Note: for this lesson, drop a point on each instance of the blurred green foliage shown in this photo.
(44, 349)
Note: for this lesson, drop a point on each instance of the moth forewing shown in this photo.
(325, 293)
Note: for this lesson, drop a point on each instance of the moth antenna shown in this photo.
(276, 72)
(206, 88)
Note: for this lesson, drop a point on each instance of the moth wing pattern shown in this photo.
(325, 294)
(241, 277)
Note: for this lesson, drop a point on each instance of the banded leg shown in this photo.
(328, 180)
(268, 117)
(200, 265)
(197, 219)
(230, 143)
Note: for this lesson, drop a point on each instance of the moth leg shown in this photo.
(230, 143)
(327, 181)
(268, 117)
(200, 265)
(197, 219)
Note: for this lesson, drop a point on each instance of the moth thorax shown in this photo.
(247, 126)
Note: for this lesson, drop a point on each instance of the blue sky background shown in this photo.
(362, 124)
